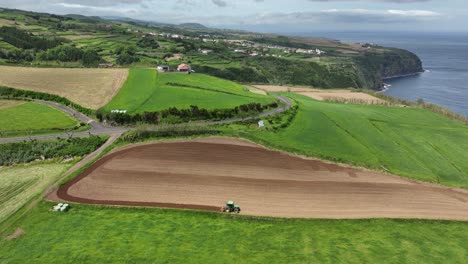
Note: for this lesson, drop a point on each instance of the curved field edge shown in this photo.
(411, 142)
(147, 91)
(34, 118)
(91, 88)
(120, 234)
(89, 233)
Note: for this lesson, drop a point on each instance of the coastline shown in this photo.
(387, 86)
(403, 75)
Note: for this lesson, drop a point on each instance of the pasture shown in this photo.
(98, 234)
(18, 184)
(147, 90)
(91, 88)
(21, 118)
(410, 142)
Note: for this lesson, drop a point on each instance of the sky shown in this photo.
(277, 16)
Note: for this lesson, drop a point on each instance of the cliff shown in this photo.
(373, 67)
(366, 70)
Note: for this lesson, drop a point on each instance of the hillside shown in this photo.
(146, 90)
(46, 40)
(411, 142)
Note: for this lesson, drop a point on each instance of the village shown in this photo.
(241, 46)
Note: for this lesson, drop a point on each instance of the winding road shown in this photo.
(99, 129)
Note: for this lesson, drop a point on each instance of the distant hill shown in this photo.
(82, 18)
(193, 26)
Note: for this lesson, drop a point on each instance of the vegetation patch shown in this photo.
(23, 152)
(174, 115)
(147, 132)
(19, 184)
(33, 118)
(98, 234)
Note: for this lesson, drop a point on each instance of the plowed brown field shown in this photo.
(204, 174)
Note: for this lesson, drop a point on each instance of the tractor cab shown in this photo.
(231, 207)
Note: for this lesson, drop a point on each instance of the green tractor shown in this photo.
(231, 208)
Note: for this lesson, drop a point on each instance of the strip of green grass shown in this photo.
(411, 142)
(89, 234)
(33, 117)
(147, 90)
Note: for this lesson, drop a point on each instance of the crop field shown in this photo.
(106, 43)
(93, 234)
(410, 142)
(90, 88)
(19, 118)
(18, 184)
(210, 171)
(325, 95)
(147, 90)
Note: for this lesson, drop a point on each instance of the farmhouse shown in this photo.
(163, 68)
(206, 52)
(184, 68)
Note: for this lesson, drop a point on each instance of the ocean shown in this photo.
(445, 60)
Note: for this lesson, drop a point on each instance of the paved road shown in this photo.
(99, 129)
(96, 127)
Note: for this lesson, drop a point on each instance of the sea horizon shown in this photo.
(443, 54)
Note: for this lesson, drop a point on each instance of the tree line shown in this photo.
(25, 40)
(28, 151)
(88, 57)
(175, 115)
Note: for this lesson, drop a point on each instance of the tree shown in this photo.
(126, 55)
(148, 42)
(90, 58)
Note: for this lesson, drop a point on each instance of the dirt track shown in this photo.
(204, 174)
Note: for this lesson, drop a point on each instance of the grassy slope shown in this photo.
(30, 116)
(146, 90)
(415, 143)
(18, 184)
(89, 234)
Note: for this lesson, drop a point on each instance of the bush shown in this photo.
(23, 152)
(174, 115)
(165, 132)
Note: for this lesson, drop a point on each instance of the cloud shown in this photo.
(242, 13)
(330, 16)
(220, 3)
(387, 1)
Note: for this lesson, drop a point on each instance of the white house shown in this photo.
(163, 68)
(206, 52)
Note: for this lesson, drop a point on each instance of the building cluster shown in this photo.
(259, 49)
(242, 46)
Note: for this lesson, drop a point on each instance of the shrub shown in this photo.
(27, 151)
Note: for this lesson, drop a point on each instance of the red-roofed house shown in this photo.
(183, 68)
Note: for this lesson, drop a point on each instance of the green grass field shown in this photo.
(411, 142)
(27, 117)
(18, 184)
(91, 234)
(147, 90)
